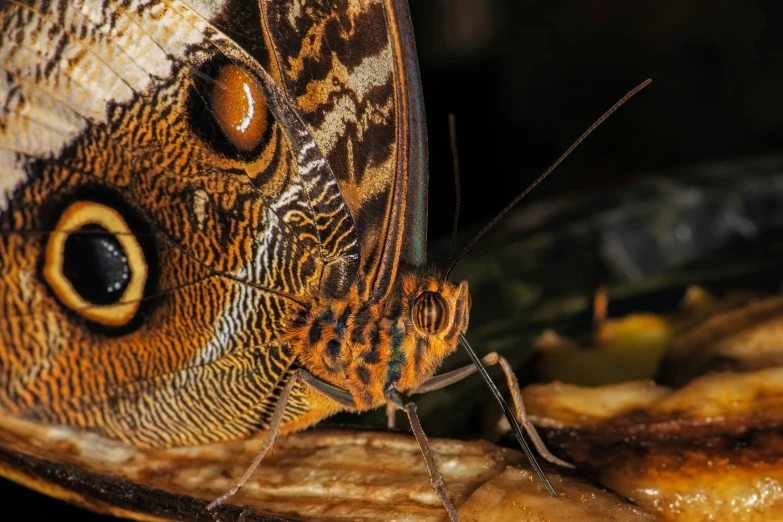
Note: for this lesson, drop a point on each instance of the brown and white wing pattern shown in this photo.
(354, 75)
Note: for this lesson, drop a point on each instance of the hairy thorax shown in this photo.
(368, 348)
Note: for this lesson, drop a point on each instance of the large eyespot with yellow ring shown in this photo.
(228, 111)
(430, 313)
(94, 264)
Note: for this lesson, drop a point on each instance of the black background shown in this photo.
(526, 77)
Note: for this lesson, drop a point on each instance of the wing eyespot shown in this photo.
(95, 265)
(227, 110)
(239, 108)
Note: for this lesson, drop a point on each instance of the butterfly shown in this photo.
(213, 220)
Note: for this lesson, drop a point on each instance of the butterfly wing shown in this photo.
(106, 107)
(354, 75)
(109, 107)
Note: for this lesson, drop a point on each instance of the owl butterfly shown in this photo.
(208, 234)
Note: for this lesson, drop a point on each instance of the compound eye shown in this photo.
(430, 313)
(95, 265)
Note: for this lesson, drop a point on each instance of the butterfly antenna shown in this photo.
(509, 415)
(457, 187)
(541, 178)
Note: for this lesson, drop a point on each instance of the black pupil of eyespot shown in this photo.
(96, 265)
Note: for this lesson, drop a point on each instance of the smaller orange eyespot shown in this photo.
(430, 313)
(239, 108)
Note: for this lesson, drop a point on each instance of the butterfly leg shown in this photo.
(391, 416)
(436, 477)
(266, 444)
(491, 359)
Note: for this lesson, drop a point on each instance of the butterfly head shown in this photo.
(435, 312)
(367, 348)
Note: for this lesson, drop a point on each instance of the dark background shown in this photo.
(526, 77)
